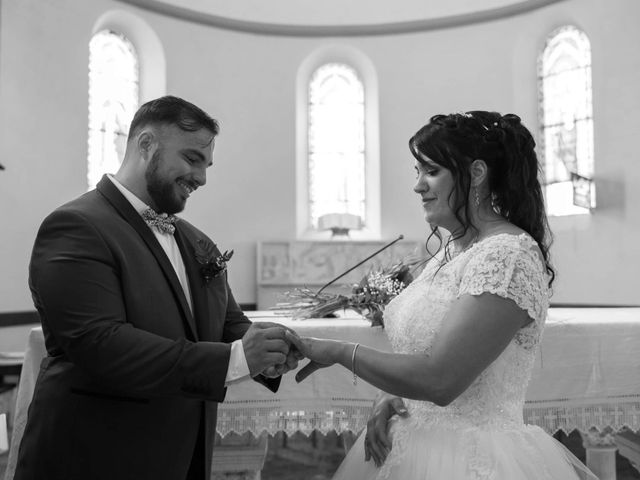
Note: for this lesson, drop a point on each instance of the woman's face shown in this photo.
(434, 184)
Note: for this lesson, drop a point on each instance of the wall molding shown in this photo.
(289, 30)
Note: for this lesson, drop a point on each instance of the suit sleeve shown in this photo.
(76, 287)
(235, 326)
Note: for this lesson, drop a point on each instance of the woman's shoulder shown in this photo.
(509, 236)
(506, 242)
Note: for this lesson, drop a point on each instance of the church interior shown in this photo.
(72, 73)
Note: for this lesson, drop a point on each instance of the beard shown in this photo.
(161, 190)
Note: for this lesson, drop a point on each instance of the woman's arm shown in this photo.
(473, 334)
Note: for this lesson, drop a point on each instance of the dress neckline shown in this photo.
(520, 236)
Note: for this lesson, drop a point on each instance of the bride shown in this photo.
(466, 331)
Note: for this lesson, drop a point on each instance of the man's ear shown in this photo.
(479, 172)
(146, 143)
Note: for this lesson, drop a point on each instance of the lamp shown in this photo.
(340, 223)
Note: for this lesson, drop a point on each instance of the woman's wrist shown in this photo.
(344, 354)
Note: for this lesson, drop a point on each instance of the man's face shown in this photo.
(178, 167)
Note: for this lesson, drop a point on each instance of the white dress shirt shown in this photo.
(238, 368)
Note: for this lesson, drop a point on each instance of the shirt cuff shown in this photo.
(238, 368)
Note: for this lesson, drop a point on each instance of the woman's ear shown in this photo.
(479, 172)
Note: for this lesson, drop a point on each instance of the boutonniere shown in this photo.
(212, 265)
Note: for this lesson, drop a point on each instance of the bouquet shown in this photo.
(368, 297)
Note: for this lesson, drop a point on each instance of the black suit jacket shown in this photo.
(131, 374)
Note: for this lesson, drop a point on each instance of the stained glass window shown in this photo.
(336, 143)
(113, 100)
(566, 120)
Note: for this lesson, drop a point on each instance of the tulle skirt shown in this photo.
(437, 453)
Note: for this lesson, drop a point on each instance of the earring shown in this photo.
(476, 196)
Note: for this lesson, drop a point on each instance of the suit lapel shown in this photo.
(196, 282)
(124, 208)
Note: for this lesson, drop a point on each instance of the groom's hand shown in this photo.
(290, 364)
(265, 345)
(377, 443)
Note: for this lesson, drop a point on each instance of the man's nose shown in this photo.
(200, 176)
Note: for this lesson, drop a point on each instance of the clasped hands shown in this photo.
(272, 350)
(277, 351)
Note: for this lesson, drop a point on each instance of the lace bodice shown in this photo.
(506, 265)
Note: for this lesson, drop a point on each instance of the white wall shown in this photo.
(247, 81)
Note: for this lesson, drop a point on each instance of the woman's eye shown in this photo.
(432, 172)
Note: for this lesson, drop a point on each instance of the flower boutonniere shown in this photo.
(212, 265)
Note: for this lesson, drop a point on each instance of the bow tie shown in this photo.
(163, 222)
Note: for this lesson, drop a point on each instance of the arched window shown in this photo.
(113, 100)
(336, 145)
(567, 122)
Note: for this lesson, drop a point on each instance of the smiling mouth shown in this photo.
(187, 188)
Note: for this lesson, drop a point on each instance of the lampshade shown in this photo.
(340, 223)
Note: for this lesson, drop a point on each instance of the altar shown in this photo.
(586, 377)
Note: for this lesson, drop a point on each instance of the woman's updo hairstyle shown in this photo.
(507, 147)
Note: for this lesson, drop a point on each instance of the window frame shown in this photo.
(584, 174)
(366, 73)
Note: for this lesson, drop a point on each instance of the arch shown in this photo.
(152, 62)
(566, 121)
(362, 69)
(126, 68)
(113, 100)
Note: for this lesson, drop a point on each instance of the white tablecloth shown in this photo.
(586, 375)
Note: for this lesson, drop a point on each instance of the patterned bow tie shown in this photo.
(163, 222)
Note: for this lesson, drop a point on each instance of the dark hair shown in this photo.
(454, 141)
(170, 110)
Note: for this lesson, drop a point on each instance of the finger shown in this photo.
(274, 358)
(397, 404)
(292, 362)
(277, 346)
(270, 372)
(307, 370)
(275, 332)
(284, 328)
(297, 342)
(379, 432)
(376, 453)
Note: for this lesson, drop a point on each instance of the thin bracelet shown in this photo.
(353, 363)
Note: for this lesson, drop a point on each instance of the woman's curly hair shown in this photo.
(454, 141)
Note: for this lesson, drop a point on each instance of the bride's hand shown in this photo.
(321, 353)
(377, 443)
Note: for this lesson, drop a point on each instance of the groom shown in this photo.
(142, 331)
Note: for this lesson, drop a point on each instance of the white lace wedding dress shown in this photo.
(481, 434)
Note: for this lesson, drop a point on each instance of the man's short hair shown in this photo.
(170, 110)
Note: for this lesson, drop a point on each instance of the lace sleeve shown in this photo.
(510, 270)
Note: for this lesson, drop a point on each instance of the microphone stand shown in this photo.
(400, 237)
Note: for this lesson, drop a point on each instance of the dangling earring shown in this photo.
(476, 196)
